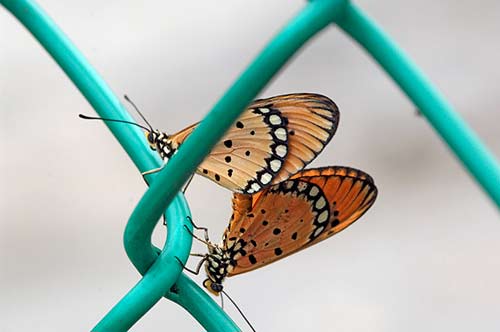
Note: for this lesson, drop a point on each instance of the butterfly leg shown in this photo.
(188, 182)
(207, 242)
(152, 171)
(204, 229)
(156, 170)
(198, 267)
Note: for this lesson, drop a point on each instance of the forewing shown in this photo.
(312, 121)
(250, 154)
(298, 213)
(273, 139)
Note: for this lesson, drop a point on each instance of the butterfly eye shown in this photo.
(213, 287)
(216, 287)
(151, 137)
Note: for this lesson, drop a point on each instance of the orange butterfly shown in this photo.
(271, 140)
(285, 218)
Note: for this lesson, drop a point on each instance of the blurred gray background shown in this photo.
(424, 258)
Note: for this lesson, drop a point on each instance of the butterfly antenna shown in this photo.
(239, 310)
(86, 117)
(138, 112)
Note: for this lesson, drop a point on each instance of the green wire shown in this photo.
(166, 183)
(85, 78)
(448, 124)
(314, 17)
(160, 268)
(100, 96)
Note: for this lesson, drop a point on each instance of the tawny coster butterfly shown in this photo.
(271, 140)
(287, 217)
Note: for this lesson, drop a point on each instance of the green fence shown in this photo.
(159, 268)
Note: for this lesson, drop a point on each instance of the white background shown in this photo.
(424, 258)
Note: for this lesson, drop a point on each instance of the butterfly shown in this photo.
(284, 218)
(271, 140)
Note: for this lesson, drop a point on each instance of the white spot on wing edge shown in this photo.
(302, 186)
(275, 165)
(281, 150)
(320, 203)
(255, 187)
(280, 134)
(323, 216)
(265, 178)
(314, 191)
(264, 110)
(318, 231)
(274, 119)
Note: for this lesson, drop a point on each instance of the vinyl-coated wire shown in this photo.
(160, 269)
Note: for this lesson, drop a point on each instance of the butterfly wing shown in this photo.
(312, 121)
(271, 140)
(295, 214)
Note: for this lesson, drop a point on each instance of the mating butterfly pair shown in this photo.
(278, 208)
(276, 211)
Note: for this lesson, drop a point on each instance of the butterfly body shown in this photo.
(160, 142)
(271, 140)
(287, 217)
(219, 263)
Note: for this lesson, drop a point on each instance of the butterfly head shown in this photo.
(160, 142)
(213, 287)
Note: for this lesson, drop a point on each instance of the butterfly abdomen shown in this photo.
(219, 264)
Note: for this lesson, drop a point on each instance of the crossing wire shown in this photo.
(159, 267)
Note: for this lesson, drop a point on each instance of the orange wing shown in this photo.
(312, 121)
(273, 139)
(295, 214)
